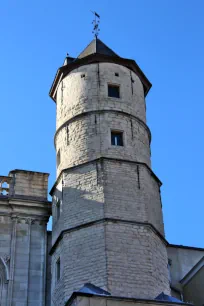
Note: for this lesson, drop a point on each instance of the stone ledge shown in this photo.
(105, 220)
(86, 299)
(76, 117)
(102, 158)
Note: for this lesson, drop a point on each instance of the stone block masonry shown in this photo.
(24, 215)
(108, 226)
(106, 208)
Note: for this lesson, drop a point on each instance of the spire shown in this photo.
(97, 46)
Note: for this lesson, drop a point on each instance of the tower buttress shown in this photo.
(107, 216)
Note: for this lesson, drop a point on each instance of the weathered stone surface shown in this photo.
(24, 213)
(88, 137)
(110, 227)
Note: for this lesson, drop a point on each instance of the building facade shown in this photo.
(108, 226)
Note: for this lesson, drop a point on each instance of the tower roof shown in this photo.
(96, 52)
(97, 46)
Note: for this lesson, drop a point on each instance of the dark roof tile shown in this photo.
(164, 297)
(97, 46)
(92, 289)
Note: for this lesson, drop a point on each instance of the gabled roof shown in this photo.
(193, 271)
(97, 46)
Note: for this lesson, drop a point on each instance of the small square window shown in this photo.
(117, 74)
(114, 91)
(58, 270)
(116, 138)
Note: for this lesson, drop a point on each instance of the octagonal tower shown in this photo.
(107, 216)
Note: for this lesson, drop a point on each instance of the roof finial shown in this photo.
(95, 23)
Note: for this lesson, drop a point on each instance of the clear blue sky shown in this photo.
(166, 38)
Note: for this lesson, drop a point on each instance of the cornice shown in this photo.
(81, 115)
(102, 221)
(101, 159)
(185, 247)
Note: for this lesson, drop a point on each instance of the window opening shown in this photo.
(58, 158)
(116, 138)
(114, 91)
(58, 272)
(58, 209)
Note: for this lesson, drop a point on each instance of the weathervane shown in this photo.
(95, 23)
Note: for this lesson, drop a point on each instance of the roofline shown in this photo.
(123, 298)
(28, 171)
(185, 247)
(192, 272)
(99, 58)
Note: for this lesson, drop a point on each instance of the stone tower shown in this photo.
(107, 214)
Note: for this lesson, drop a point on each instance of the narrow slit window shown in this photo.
(58, 210)
(114, 91)
(67, 135)
(58, 158)
(116, 138)
(58, 268)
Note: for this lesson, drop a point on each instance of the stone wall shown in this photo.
(57, 286)
(110, 228)
(83, 259)
(183, 259)
(86, 115)
(29, 183)
(77, 94)
(136, 261)
(94, 300)
(193, 290)
(23, 239)
(89, 136)
(132, 193)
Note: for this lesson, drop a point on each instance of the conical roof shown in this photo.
(96, 46)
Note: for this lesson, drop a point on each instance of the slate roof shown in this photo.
(92, 289)
(97, 46)
(167, 298)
